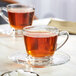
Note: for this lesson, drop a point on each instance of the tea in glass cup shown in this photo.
(41, 44)
(19, 16)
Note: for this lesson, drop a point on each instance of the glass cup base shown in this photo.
(39, 62)
(59, 58)
(16, 33)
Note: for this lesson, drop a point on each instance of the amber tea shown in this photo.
(40, 44)
(20, 17)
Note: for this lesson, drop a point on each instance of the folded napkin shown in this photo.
(64, 25)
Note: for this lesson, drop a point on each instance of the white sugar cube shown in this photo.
(30, 74)
(22, 73)
(19, 72)
(5, 75)
(13, 73)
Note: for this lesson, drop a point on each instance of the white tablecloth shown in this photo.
(8, 46)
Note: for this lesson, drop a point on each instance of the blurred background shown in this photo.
(62, 9)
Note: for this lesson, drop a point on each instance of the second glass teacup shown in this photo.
(41, 44)
(19, 16)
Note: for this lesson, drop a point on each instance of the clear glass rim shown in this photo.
(28, 29)
(19, 5)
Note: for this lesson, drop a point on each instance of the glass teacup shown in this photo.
(41, 44)
(19, 16)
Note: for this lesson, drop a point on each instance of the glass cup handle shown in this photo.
(63, 33)
(2, 14)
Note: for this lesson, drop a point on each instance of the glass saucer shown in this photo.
(58, 58)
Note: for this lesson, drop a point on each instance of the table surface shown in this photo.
(9, 46)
